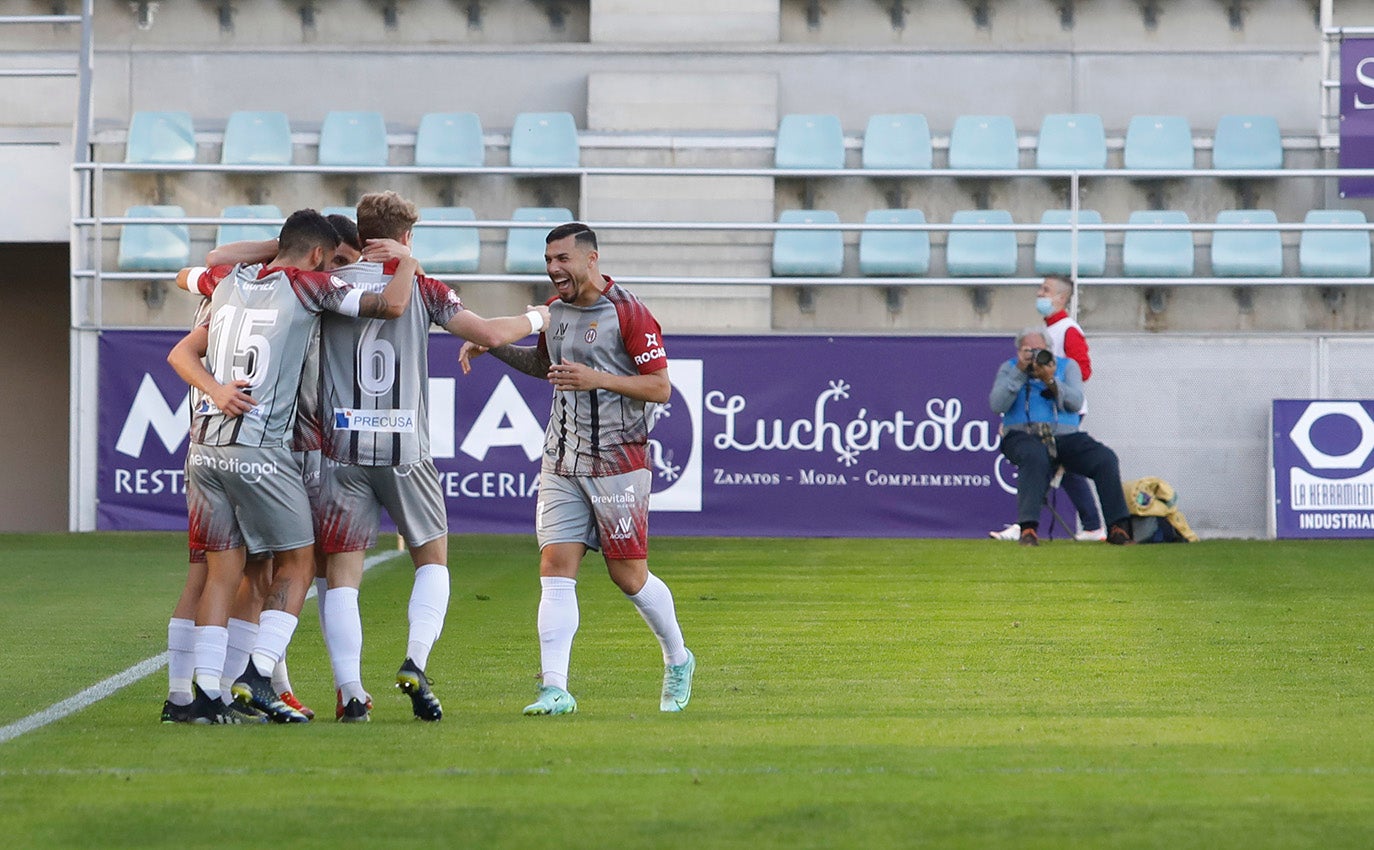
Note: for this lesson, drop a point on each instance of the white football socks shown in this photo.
(343, 637)
(558, 620)
(321, 588)
(428, 605)
(274, 634)
(211, 644)
(181, 659)
(655, 603)
(281, 677)
(242, 636)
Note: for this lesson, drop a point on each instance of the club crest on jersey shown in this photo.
(590, 336)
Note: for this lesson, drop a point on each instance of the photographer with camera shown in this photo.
(1039, 397)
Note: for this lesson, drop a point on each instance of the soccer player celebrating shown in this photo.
(243, 479)
(375, 393)
(606, 361)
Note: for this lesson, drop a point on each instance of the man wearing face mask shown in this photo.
(1066, 339)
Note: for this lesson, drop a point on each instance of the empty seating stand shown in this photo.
(544, 140)
(1247, 253)
(983, 142)
(1157, 253)
(981, 253)
(897, 141)
(1054, 249)
(808, 253)
(525, 245)
(809, 141)
(249, 232)
(1159, 142)
(160, 137)
(1071, 141)
(894, 253)
(450, 140)
(353, 138)
(154, 247)
(257, 138)
(448, 250)
(1334, 253)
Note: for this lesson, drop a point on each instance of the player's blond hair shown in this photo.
(385, 215)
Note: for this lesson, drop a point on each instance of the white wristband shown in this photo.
(536, 321)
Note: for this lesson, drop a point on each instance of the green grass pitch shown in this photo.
(849, 694)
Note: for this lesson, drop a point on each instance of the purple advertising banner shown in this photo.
(1357, 115)
(763, 436)
(1323, 468)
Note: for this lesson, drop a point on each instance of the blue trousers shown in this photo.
(1080, 492)
(1078, 453)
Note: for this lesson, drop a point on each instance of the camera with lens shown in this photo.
(1042, 357)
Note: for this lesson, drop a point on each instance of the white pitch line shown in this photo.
(95, 693)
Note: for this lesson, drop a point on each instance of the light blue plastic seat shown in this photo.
(249, 232)
(257, 138)
(897, 141)
(447, 250)
(1247, 253)
(1054, 249)
(1247, 141)
(353, 138)
(894, 253)
(1334, 253)
(525, 245)
(154, 247)
(983, 142)
(1160, 142)
(349, 212)
(1071, 141)
(544, 140)
(160, 137)
(1158, 253)
(987, 253)
(809, 141)
(450, 139)
(808, 253)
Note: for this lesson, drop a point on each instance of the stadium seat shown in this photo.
(353, 138)
(983, 142)
(983, 253)
(245, 232)
(525, 245)
(1071, 141)
(808, 253)
(154, 247)
(1248, 142)
(160, 137)
(450, 139)
(349, 212)
(1054, 249)
(257, 138)
(1160, 142)
(897, 141)
(894, 252)
(1334, 253)
(448, 250)
(1157, 253)
(809, 141)
(544, 140)
(1247, 253)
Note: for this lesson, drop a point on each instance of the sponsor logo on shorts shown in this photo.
(624, 498)
(624, 529)
(388, 421)
(251, 471)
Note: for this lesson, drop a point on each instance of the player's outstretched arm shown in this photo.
(503, 330)
(523, 358)
(187, 358)
(395, 298)
(248, 251)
